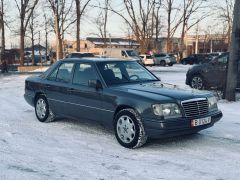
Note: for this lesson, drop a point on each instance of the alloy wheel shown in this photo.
(126, 129)
(41, 108)
(197, 82)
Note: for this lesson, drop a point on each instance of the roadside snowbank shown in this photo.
(68, 149)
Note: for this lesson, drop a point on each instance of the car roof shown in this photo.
(93, 59)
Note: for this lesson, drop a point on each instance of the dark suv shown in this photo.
(196, 59)
(209, 75)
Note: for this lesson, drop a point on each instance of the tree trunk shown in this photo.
(169, 25)
(105, 22)
(3, 33)
(33, 53)
(32, 38)
(22, 36)
(59, 44)
(78, 25)
(231, 82)
(46, 41)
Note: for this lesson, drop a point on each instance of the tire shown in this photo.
(42, 110)
(162, 63)
(197, 82)
(123, 121)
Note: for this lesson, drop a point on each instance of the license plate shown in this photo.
(201, 121)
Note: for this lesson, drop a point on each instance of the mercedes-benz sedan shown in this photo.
(121, 94)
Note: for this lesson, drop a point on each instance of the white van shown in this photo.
(121, 53)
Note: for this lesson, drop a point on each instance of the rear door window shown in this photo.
(83, 73)
(64, 72)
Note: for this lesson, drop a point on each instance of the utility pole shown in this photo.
(110, 41)
(196, 44)
(211, 43)
(233, 63)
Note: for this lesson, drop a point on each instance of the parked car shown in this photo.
(80, 55)
(122, 53)
(196, 59)
(212, 74)
(215, 54)
(37, 58)
(121, 94)
(164, 59)
(147, 59)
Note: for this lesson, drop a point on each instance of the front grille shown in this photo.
(195, 107)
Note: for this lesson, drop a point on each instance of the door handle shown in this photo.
(71, 90)
(47, 86)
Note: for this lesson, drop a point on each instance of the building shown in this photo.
(160, 45)
(38, 49)
(207, 43)
(96, 45)
(12, 56)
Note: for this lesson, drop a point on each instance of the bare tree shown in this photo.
(224, 12)
(79, 13)
(47, 31)
(101, 21)
(190, 8)
(138, 17)
(56, 8)
(25, 10)
(174, 19)
(33, 31)
(63, 19)
(156, 21)
(232, 73)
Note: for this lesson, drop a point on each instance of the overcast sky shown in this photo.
(116, 26)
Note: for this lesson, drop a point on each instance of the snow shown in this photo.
(41, 69)
(68, 149)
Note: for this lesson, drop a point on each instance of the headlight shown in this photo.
(169, 110)
(212, 103)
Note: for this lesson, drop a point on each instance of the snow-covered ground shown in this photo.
(68, 149)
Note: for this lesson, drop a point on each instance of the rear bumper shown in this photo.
(176, 127)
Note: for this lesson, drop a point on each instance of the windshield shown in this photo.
(132, 53)
(120, 72)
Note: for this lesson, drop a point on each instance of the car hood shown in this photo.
(151, 90)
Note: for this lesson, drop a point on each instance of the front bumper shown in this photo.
(176, 127)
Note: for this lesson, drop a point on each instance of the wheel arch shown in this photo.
(121, 107)
(37, 94)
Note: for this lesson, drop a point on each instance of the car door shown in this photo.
(84, 101)
(217, 72)
(57, 88)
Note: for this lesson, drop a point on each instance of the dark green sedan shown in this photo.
(121, 94)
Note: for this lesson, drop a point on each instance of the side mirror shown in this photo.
(95, 84)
